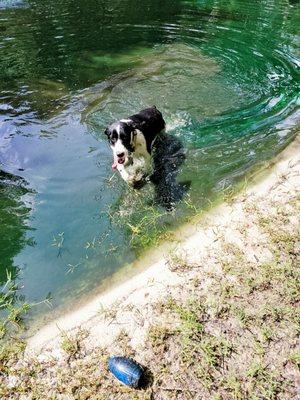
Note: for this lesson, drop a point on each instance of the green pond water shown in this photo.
(223, 73)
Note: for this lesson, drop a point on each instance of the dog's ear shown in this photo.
(131, 124)
(135, 125)
(106, 132)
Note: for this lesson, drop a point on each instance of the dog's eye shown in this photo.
(113, 140)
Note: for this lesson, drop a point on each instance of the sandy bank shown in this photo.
(128, 306)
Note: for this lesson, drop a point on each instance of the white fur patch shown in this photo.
(141, 145)
(119, 147)
(138, 163)
(141, 160)
(136, 171)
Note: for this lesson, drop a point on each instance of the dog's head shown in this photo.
(121, 137)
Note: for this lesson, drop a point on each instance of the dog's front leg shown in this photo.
(124, 174)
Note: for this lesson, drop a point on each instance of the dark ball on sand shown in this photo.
(126, 371)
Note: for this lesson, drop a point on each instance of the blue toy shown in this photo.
(126, 370)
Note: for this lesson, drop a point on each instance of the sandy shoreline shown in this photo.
(152, 284)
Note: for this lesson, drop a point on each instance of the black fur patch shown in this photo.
(125, 131)
(168, 156)
(149, 121)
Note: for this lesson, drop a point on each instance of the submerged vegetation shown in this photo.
(14, 309)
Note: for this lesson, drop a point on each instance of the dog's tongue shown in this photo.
(115, 164)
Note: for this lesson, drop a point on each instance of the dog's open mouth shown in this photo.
(122, 160)
(117, 160)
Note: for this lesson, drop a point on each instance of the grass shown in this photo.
(295, 358)
(71, 343)
(142, 220)
(12, 308)
(10, 351)
(234, 353)
(228, 331)
(177, 261)
(146, 223)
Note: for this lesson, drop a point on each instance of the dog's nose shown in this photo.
(120, 155)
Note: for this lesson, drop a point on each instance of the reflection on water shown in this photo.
(224, 74)
(15, 211)
(50, 48)
(155, 77)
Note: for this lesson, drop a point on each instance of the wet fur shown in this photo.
(150, 155)
(134, 138)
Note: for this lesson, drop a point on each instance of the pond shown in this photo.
(224, 75)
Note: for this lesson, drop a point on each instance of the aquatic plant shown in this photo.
(58, 241)
(11, 313)
(14, 308)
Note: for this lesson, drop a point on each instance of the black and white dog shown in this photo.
(131, 141)
(143, 152)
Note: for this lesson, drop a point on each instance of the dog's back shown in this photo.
(149, 121)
